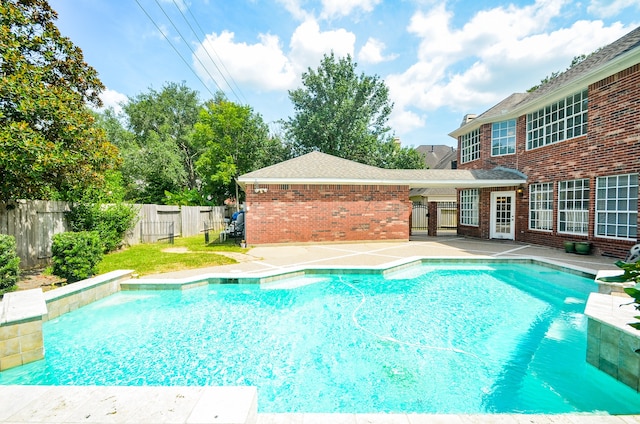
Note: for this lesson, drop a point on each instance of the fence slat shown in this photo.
(34, 222)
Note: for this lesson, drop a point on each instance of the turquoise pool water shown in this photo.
(451, 338)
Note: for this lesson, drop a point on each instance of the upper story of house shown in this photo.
(584, 123)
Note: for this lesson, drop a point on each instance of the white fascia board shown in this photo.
(411, 183)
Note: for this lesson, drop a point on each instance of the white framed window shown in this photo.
(573, 207)
(469, 207)
(470, 146)
(541, 206)
(562, 120)
(503, 138)
(617, 206)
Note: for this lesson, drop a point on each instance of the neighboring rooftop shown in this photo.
(438, 156)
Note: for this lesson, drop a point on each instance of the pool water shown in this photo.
(451, 338)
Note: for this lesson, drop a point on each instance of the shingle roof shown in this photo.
(586, 72)
(321, 168)
(591, 63)
(437, 156)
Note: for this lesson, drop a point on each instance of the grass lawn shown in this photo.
(185, 253)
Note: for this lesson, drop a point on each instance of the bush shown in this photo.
(111, 222)
(9, 264)
(76, 255)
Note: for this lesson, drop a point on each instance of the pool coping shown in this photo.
(268, 276)
(123, 281)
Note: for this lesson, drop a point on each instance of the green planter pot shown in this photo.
(569, 246)
(583, 248)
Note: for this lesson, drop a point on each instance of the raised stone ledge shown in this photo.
(613, 346)
(89, 283)
(22, 306)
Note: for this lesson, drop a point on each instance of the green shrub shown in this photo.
(111, 222)
(9, 264)
(76, 255)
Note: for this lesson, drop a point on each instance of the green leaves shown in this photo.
(159, 151)
(9, 264)
(345, 114)
(236, 141)
(48, 143)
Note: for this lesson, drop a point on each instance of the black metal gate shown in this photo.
(419, 217)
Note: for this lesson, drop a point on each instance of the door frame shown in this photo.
(493, 233)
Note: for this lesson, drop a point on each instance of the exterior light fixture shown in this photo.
(258, 189)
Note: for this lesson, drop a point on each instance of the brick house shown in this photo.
(577, 141)
(321, 198)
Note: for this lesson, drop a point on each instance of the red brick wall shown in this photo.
(611, 147)
(327, 213)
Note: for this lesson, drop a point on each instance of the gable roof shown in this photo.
(613, 58)
(320, 168)
(438, 156)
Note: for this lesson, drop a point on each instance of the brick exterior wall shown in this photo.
(611, 147)
(327, 213)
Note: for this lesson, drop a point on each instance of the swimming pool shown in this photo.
(435, 338)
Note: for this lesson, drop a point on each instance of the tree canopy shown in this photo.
(49, 145)
(345, 114)
(236, 140)
(159, 153)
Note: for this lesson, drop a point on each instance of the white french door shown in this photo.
(503, 215)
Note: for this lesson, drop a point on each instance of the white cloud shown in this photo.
(608, 8)
(295, 8)
(308, 45)
(497, 52)
(405, 121)
(338, 8)
(262, 65)
(113, 99)
(372, 52)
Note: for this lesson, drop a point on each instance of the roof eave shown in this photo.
(417, 183)
(614, 66)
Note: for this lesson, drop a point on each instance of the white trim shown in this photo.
(493, 233)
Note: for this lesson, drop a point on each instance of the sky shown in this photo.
(439, 59)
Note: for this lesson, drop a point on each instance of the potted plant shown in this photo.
(569, 246)
(583, 247)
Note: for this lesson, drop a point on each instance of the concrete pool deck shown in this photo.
(42, 404)
(263, 259)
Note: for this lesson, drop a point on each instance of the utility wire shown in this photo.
(204, 37)
(175, 49)
(189, 46)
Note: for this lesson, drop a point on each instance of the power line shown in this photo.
(189, 46)
(175, 49)
(204, 36)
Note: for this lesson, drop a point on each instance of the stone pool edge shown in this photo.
(22, 313)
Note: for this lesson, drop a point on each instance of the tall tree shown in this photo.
(162, 155)
(342, 113)
(236, 141)
(49, 145)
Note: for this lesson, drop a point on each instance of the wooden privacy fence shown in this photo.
(34, 222)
